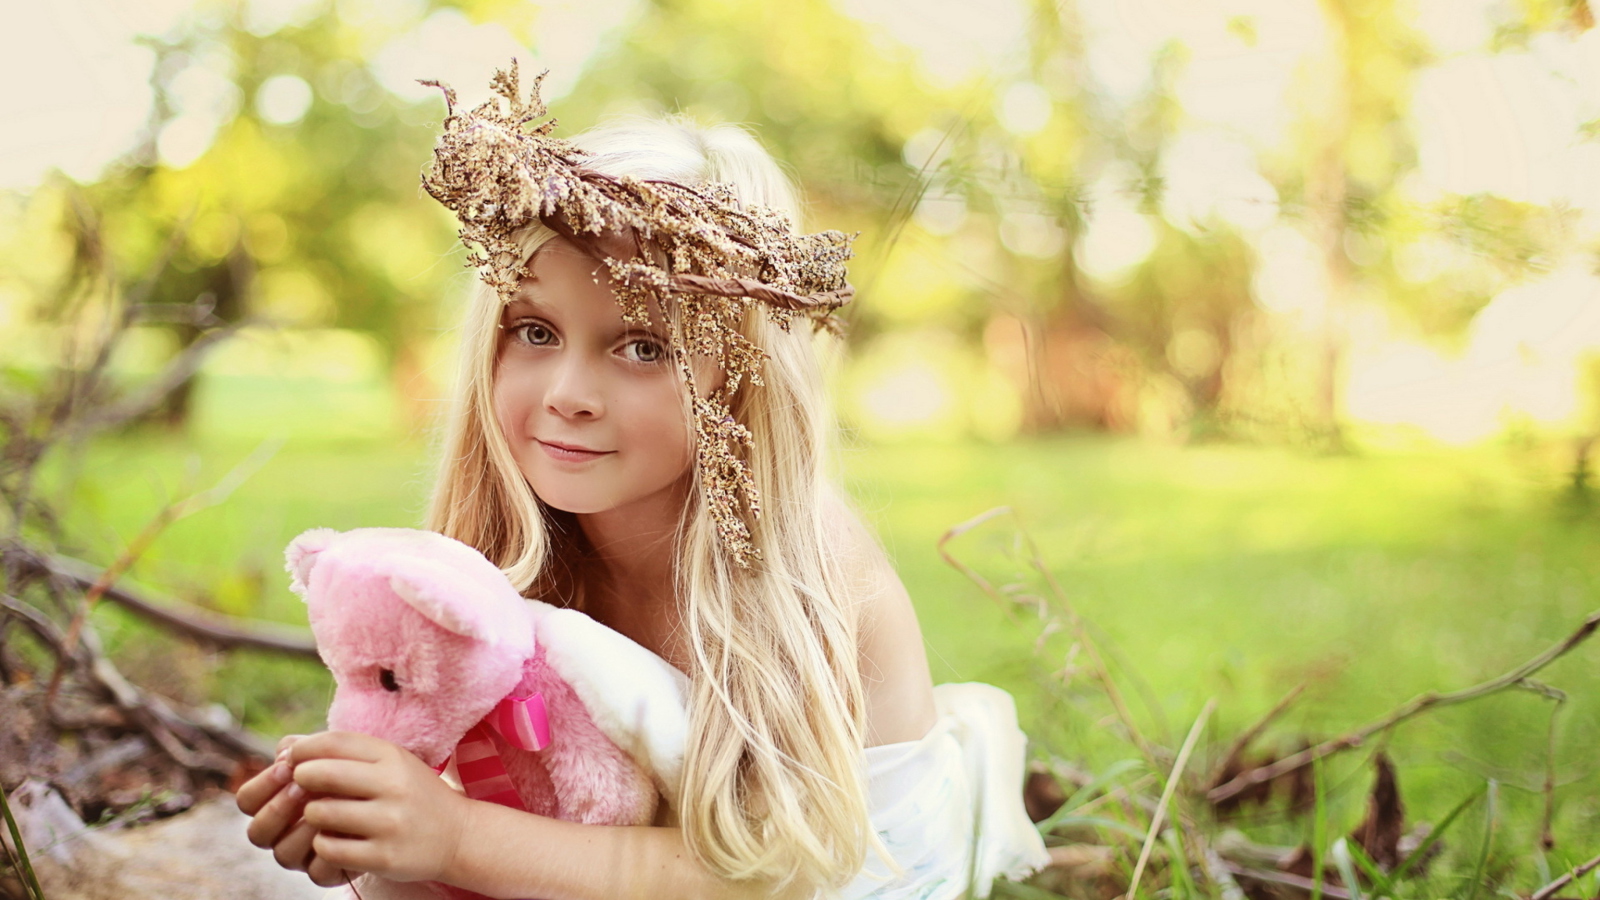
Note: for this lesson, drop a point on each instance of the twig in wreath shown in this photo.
(1408, 710)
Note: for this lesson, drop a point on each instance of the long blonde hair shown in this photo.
(773, 788)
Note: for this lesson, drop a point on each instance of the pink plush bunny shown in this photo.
(540, 708)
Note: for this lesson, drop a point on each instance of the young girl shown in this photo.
(659, 464)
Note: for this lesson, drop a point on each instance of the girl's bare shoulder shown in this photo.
(894, 664)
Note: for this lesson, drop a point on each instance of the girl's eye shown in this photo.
(386, 678)
(646, 350)
(535, 333)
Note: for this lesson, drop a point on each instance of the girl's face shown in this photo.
(590, 405)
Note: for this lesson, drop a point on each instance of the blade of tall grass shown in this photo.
(1490, 815)
(1319, 826)
(1166, 795)
(1182, 882)
(1381, 883)
(1340, 851)
(1103, 822)
(30, 881)
(1434, 836)
(1100, 782)
(1012, 890)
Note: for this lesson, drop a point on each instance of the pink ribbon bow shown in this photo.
(524, 724)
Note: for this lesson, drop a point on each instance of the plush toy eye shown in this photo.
(386, 678)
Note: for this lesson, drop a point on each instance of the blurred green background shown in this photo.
(1274, 320)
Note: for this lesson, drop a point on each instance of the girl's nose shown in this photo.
(574, 390)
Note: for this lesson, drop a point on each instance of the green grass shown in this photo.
(1217, 570)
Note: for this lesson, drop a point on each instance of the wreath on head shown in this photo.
(704, 257)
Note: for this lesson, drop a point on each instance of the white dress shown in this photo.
(933, 801)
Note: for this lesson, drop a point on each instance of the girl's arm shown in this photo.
(369, 806)
(510, 854)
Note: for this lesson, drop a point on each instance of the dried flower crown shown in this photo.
(700, 254)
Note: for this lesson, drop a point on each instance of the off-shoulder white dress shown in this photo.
(948, 807)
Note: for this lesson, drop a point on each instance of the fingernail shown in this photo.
(281, 773)
(296, 792)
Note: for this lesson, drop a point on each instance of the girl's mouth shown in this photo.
(570, 452)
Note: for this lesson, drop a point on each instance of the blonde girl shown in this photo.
(821, 761)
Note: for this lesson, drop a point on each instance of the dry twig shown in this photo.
(1101, 673)
(1410, 709)
(215, 629)
(170, 513)
(1549, 890)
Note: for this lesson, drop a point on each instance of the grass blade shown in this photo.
(1381, 883)
(1347, 871)
(1434, 836)
(1491, 813)
(1182, 883)
(30, 881)
(1166, 795)
(1319, 827)
(1019, 891)
(1103, 822)
(1101, 782)
(1109, 776)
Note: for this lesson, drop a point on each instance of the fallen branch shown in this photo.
(1285, 879)
(1411, 708)
(167, 727)
(212, 628)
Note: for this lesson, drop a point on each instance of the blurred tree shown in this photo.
(293, 174)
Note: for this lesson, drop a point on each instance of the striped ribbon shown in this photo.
(524, 724)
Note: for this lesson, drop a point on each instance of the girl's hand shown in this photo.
(375, 808)
(276, 821)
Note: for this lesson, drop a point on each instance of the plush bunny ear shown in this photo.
(460, 604)
(301, 556)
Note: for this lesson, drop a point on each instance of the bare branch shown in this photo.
(1285, 879)
(1408, 710)
(1549, 890)
(1236, 750)
(181, 369)
(167, 726)
(212, 628)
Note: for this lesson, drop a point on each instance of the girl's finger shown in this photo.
(274, 817)
(344, 852)
(287, 741)
(353, 818)
(261, 787)
(326, 874)
(344, 777)
(294, 851)
(338, 745)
